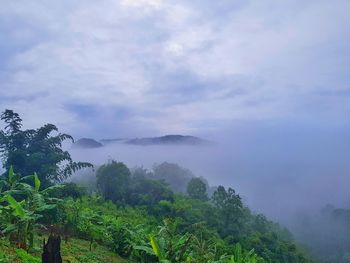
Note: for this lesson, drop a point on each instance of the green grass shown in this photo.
(74, 251)
(77, 250)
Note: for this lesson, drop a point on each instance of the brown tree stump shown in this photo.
(52, 250)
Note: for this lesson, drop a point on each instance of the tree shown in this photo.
(70, 189)
(36, 150)
(197, 189)
(12, 141)
(173, 174)
(145, 191)
(113, 181)
(230, 210)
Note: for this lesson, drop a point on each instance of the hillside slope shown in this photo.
(74, 251)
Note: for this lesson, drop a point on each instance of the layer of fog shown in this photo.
(281, 171)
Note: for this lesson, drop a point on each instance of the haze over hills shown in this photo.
(162, 140)
(168, 139)
(87, 143)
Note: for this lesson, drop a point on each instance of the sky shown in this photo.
(129, 68)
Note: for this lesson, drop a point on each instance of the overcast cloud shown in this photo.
(146, 67)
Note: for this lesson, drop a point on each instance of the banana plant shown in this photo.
(168, 246)
(160, 253)
(91, 225)
(240, 256)
(21, 217)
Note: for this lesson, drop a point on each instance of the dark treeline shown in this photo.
(327, 233)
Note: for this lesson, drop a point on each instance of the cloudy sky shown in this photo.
(126, 68)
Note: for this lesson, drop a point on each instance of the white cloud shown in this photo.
(143, 3)
(125, 53)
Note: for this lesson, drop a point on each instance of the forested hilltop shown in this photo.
(127, 215)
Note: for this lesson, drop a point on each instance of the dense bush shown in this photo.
(190, 229)
(69, 190)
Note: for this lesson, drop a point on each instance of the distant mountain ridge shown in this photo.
(108, 141)
(87, 143)
(172, 139)
(168, 139)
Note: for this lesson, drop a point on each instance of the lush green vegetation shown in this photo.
(36, 150)
(164, 215)
(74, 251)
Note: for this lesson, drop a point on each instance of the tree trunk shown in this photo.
(52, 250)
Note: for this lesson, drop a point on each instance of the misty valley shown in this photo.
(125, 202)
(174, 131)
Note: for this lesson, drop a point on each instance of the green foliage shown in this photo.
(240, 256)
(197, 189)
(74, 251)
(27, 258)
(193, 229)
(145, 191)
(78, 251)
(138, 216)
(134, 233)
(229, 209)
(169, 245)
(69, 190)
(20, 218)
(4, 258)
(90, 224)
(102, 222)
(36, 150)
(174, 175)
(113, 181)
(116, 183)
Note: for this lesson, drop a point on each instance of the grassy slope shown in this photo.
(75, 251)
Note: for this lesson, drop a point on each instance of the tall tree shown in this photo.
(176, 176)
(113, 181)
(197, 189)
(229, 210)
(145, 191)
(36, 150)
(12, 141)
